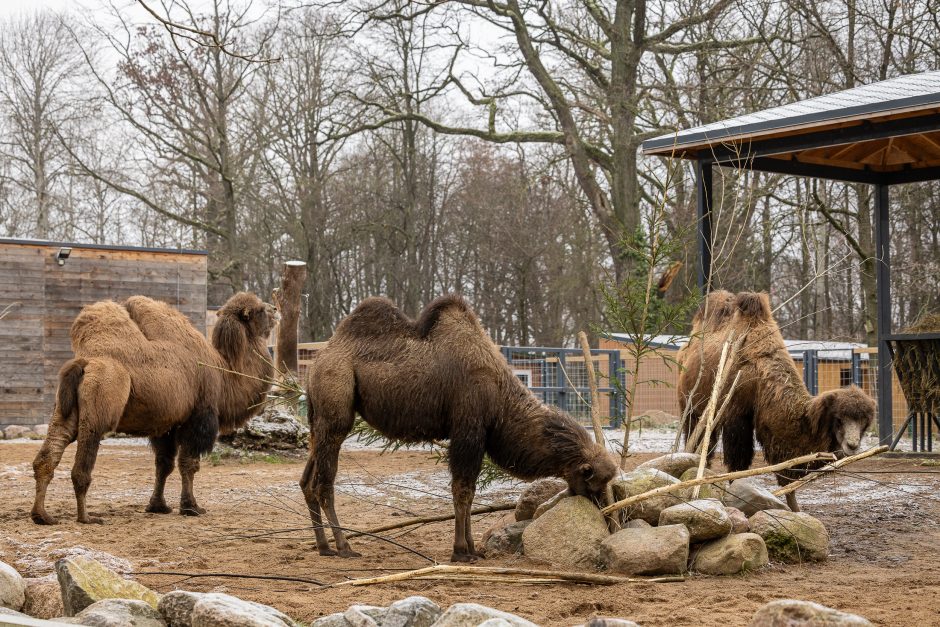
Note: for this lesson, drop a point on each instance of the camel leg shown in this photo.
(85, 457)
(313, 506)
(62, 432)
(791, 502)
(189, 466)
(325, 474)
(195, 437)
(466, 460)
(164, 450)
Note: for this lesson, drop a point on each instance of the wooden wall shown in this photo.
(46, 297)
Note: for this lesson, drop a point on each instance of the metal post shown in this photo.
(560, 382)
(856, 369)
(613, 366)
(883, 279)
(703, 181)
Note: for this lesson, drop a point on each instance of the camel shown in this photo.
(770, 400)
(141, 368)
(439, 377)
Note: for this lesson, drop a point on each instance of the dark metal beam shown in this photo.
(799, 168)
(883, 287)
(866, 131)
(917, 175)
(703, 182)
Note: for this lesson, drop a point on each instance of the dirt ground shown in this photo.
(883, 525)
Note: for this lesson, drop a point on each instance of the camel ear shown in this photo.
(587, 471)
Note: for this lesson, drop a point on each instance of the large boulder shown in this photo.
(673, 464)
(473, 615)
(5, 611)
(414, 611)
(506, 540)
(569, 534)
(550, 503)
(739, 522)
(214, 609)
(84, 581)
(14, 432)
(177, 607)
(730, 555)
(791, 613)
(274, 429)
(12, 588)
(750, 497)
(706, 519)
(640, 481)
(535, 494)
(653, 551)
(706, 490)
(791, 536)
(43, 597)
(120, 613)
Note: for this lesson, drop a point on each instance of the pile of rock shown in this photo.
(727, 530)
(273, 430)
(18, 432)
(419, 611)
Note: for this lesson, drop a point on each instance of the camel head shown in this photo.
(847, 413)
(590, 478)
(244, 318)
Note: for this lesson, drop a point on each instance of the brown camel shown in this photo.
(439, 377)
(141, 368)
(770, 400)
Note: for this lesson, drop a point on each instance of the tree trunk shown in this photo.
(287, 300)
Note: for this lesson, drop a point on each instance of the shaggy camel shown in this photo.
(141, 368)
(771, 400)
(439, 377)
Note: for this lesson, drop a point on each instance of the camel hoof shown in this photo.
(349, 553)
(464, 557)
(91, 520)
(328, 552)
(191, 510)
(43, 518)
(158, 508)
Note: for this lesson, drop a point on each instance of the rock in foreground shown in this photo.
(640, 481)
(84, 581)
(706, 519)
(790, 613)
(12, 588)
(472, 614)
(535, 494)
(222, 610)
(506, 540)
(791, 536)
(652, 551)
(569, 534)
(751, 498)
(731, 555)
(673, 464)
(120, 613)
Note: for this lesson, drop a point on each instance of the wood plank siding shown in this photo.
(46, 297)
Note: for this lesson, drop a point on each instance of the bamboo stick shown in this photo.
(486, 509)
(828, 468)
(728, 476)
(595, 395)
(455, 572)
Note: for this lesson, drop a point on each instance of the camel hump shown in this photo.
(433, 311)
(69, 377)
(754, 305)
(375, 316)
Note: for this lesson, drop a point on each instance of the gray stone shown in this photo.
(791, 613)
(653, 551)
(640, 481)
(84, 581)
(177, 607)
(507, 540)
(535, 494)
(333, 620)
(43, 597)
(356, 615)
(731, 555)
(413, 611)
(637, 523)
(41, 431)
(706, 519)
(550, 503)
(120, 613)
(222, 610)
(506, 519)
(750, 498)
(569, 534)
(598, 621)
(739, 522)
(274, 429)
(12, 588)
(673, 464)
(5, 611)
(13, 432)
(495, 622)
(706, 490)
(791, 536)
(473, 614)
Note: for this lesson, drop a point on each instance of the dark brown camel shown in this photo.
(439, 377)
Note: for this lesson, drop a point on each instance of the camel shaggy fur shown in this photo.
(770, 400)
(141, 368)
(439, 377)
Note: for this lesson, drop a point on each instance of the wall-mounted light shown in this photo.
(62, 255)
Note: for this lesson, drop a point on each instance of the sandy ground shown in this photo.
(883, 523)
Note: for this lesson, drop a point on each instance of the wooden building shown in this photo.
(43, 285)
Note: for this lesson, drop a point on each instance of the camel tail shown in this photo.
(432, 313)
(69, 377)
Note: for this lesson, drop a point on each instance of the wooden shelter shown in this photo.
(883, 134)
(45, 284)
